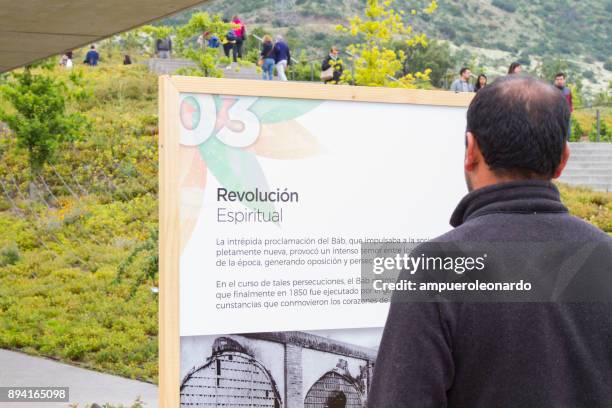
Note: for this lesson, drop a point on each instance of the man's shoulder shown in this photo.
(519, 227)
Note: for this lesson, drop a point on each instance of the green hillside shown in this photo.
(496, 31)
(64, 243)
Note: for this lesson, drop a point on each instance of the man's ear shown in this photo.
(472, 153)
(564, 158)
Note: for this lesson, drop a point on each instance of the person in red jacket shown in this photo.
(240, 31)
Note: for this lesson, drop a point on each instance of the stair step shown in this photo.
(590, 158)
(596, 179)
(599, 171)
(591, 145)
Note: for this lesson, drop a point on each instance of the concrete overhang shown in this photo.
(31, 30)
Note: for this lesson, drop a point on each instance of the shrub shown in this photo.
(448, 32)
(588, 74)
(605, 134)
(508, 6)
(9, 255)
(40, 119)
(577, 131)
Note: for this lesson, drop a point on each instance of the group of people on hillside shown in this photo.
(232, 42)
(91, 58)
(274, 53)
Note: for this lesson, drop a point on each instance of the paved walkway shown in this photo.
(86, 386)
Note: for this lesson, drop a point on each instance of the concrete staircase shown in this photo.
(238, 72)
(590, 165)
(171, 65)
(168, 66)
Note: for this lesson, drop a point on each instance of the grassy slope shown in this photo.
(59, 298)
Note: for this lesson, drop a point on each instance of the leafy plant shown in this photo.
(436, 56)
(577, 131)
(151, 266)
(206, 59)
(39, 115)
(9, 254)
(605, 134)
(376, 62)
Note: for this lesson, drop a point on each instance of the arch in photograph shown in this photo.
(334, 390)
(230, 377)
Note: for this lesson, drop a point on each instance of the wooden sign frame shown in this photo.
(170, 88)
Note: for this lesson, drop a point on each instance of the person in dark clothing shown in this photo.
(513, 354)
(163, 47)
(567, 93)
(229, 43)
(267, 58)
(332, 64)
(282, 57)
(92, 57)
(481, 82)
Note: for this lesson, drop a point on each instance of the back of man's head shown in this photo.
(520, 125)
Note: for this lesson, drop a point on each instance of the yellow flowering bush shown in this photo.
(376, 63)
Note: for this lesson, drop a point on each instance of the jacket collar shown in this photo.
(525, 196)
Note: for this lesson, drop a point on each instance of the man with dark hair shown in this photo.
(163, 47)
(462, 83)
(567, 93)
(92, 57)
(512, 354)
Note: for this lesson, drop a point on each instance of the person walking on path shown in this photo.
(163, 46)
(331, 68)
(92, 57)
(462, 83)
(267, 58)
(240, 33)
(229, 42)
(282, 57)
